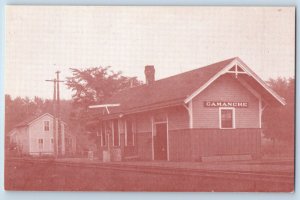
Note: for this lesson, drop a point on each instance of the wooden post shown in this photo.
(56, 117)
(59, 136)
(54, 120)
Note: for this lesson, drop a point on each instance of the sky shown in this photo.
(40, 40)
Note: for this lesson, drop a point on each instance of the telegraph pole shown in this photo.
(56, 116)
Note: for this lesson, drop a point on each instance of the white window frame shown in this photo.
(44, 126)
(233, 117)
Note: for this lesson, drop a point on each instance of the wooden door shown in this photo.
(160, 142)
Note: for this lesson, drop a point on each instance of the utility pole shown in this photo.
(56, 116)
(55, 150)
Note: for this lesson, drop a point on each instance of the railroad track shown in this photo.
(272, 177)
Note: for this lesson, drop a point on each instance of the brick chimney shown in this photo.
(149, 74)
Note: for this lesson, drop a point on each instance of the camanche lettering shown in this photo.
(225, 104)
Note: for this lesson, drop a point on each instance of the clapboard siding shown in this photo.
(226, 88)
(144, 145)
(36, 132)
(143, 123)
(180, 145)
(192, 144)
(178, 118)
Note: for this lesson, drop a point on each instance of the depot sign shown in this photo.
(225, 104)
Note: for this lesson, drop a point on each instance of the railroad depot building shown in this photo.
(211, 111)
(35, 137)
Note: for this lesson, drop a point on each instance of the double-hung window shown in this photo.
(46, 125)
(227, 118)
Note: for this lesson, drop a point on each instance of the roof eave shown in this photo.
(142, 109)
(237, 60)
(280, 99)
(210, 81)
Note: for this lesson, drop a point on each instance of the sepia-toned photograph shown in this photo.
(149, 98)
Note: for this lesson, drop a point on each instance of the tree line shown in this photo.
(279, 122)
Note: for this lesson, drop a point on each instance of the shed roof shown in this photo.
(29, 120)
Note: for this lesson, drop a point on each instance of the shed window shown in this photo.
(46, 126)
(227, 118)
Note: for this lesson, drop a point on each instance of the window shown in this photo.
(40, 143)
(160, 117)
(51, 143)
(103, 138)
(129, 134)
(227, 118)
(46, 126)
(115, 133)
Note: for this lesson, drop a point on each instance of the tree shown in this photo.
(20, 109)
(278, 122)
(93, 86)
(16, 110)
(8, 113)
